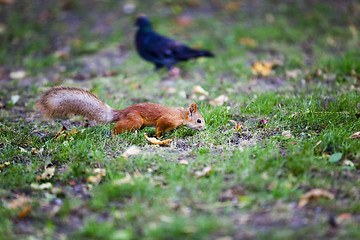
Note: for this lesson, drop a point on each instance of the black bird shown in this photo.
(160, 50)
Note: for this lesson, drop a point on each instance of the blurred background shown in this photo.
(38, 35)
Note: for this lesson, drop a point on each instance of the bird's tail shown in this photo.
(188, 53)
(205, 53)
(67, 101)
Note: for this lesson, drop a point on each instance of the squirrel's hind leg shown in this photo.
(130, 123)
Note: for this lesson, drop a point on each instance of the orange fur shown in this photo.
(65, 101)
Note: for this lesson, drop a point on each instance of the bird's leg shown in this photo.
(158, 66)
(174, 72)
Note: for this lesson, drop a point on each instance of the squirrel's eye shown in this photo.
(199, 120)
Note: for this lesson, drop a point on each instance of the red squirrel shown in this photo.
(65, 101)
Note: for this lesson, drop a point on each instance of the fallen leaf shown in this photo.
(219, 101)
(19, 202)
(47, 174)
(262, 68)
(318, 143)
(355, 135)
(199, 90)
(17, 74)
(248, 42)
(204, 172)
(314, 193)
(184, 20)
(15, 99)
(232, 6)
(43, 186)
(353, 31)
(100, 173)
(5, 164)
(64, 133)
(61, 132)
(124, 180)
(133, 150)
(238, 126)
(156, 141)
(184, 162)
(23, 150)
(287, 135)
(25, 211)
(348, 163)
(335, 157)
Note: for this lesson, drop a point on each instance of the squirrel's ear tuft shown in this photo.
(192, 109)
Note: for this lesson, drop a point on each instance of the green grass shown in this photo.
(257, 175)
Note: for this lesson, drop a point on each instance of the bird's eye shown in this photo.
(199, 120)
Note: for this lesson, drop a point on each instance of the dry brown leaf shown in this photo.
(262, 68)
(248, 42)
(156, 141)
(47, 174)
(25, 211)
(19, 202)
(314, 193)
(184, 162)
(238, 126)
(199, 90)
(100, 173)
(133, 150)
(64, 133)
(355, 135)
(184, 21)
(204, 172)
(232, 6)
(219, 101)
(61, 132)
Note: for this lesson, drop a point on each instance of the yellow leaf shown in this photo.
(100, 173)
(199, 90)
(47, 174)
(248, 42)
(314, 193)
(156, 141)
(262, 68)
(126, 179)
(232, 6)
(5, 164)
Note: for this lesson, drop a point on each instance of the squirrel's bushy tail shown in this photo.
(67, 101)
